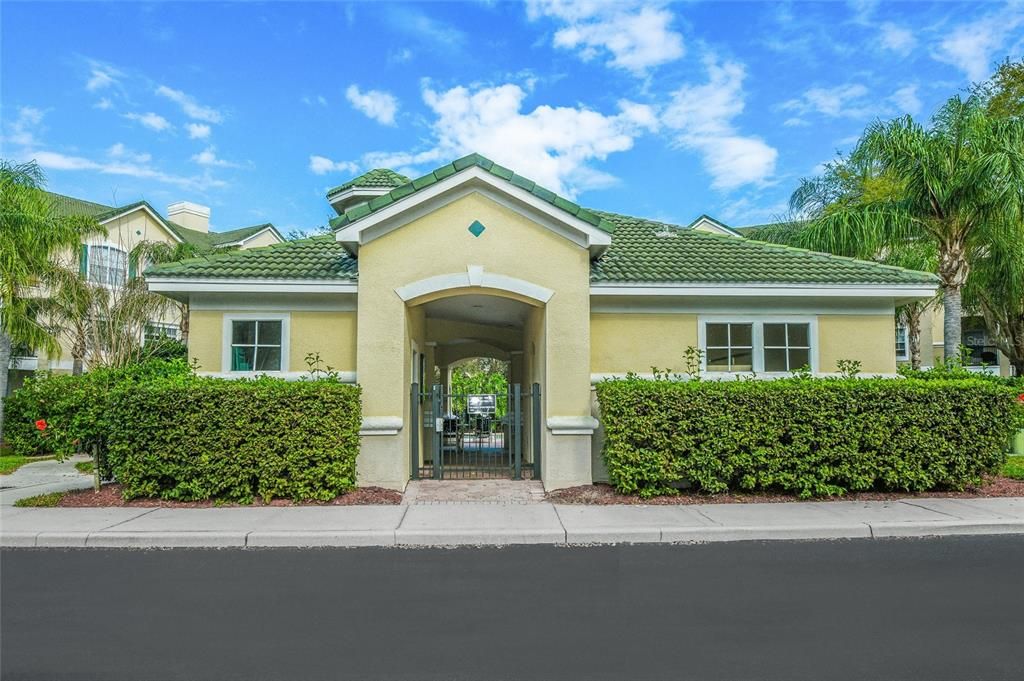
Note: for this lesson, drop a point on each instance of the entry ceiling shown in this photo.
(479, 309)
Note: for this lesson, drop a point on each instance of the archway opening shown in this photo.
(477, 378)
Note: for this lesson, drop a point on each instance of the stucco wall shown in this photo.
(262, 239)
(621, 342)
(439, 243)
(125, 233)
(332, 334)
(864, 338)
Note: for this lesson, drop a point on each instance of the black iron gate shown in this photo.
(462, 436)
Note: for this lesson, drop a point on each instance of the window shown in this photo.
(108, 265)
(787, 347)
(256, 345)
(981, 349)
(901, 341)
(158, 330)
(752, 345)
(730, 347)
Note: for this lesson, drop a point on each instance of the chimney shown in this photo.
(190, 215)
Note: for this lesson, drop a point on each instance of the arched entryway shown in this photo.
(485, 427)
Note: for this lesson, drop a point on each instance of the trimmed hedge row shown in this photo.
(812, 437)
(74, 408)
(161, 431)
(206, 438)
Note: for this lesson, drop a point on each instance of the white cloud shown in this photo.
(101, 76)
(321, 165)
(103, 104)
(22, 130)
(208, 157)
(376, 104)
(702, 115)
(896, 38)
(150, 120)
(115, 165)
(120, 151)
(906, 100)
(198, 131)
(795, 122)
(841, 100)
(553, 146)
(971, 47)
(637, 36)
(190, 106)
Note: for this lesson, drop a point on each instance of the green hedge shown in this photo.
(811, 437)
(204, 438)
(73, 407)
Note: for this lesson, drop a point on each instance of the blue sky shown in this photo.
(662, 110)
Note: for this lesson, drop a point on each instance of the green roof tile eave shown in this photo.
(459, 165)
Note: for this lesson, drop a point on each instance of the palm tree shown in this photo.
(32, 234)
(846, 184)
(959, 187)
(996, 289)
(155, 253)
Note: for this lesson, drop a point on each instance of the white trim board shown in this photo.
(175, 285)
(344, 376)
(225, 341)
(474, 277)
(773, 290)
(463, 183)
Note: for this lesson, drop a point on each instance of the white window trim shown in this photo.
(225, 357)
(906, 343)
(116, 247)
(758, 332)
(163, 326)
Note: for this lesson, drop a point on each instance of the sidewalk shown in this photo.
(499, 524)
(42, 477)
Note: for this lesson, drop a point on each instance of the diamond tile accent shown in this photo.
(477, 228)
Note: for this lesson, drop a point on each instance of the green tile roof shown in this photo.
(645, 251)
(68, 205)
(642, 251)
(318, 257)
(473, 160)
(377, 178)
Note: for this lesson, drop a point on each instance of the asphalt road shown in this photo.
(904, 609)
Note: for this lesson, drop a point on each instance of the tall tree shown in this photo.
(32, 235)
(155, 253)
(959, 187)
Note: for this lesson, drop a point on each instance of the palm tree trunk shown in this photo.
(914, 337)
(952, 309)
(5, 372)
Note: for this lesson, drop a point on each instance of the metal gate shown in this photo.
(476, 436)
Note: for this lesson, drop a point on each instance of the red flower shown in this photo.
(1020, 398)
(41, 424)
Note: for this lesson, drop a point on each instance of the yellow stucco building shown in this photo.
(105, 259)
(472, 261)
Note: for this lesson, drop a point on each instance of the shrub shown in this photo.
(812, 437)
(74, 408)
(189, 438)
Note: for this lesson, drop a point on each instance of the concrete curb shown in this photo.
(500, 537)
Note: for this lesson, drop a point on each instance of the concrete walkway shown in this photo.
(439, 524)
(43, 477)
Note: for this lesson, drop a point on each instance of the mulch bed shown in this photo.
(110, 495)
(605, 495)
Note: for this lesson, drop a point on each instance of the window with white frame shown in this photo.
(108, 265)
(158, 330)
(762, 346)
(730, 347)
(901, 341)
(256, 344)
(787, 347)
